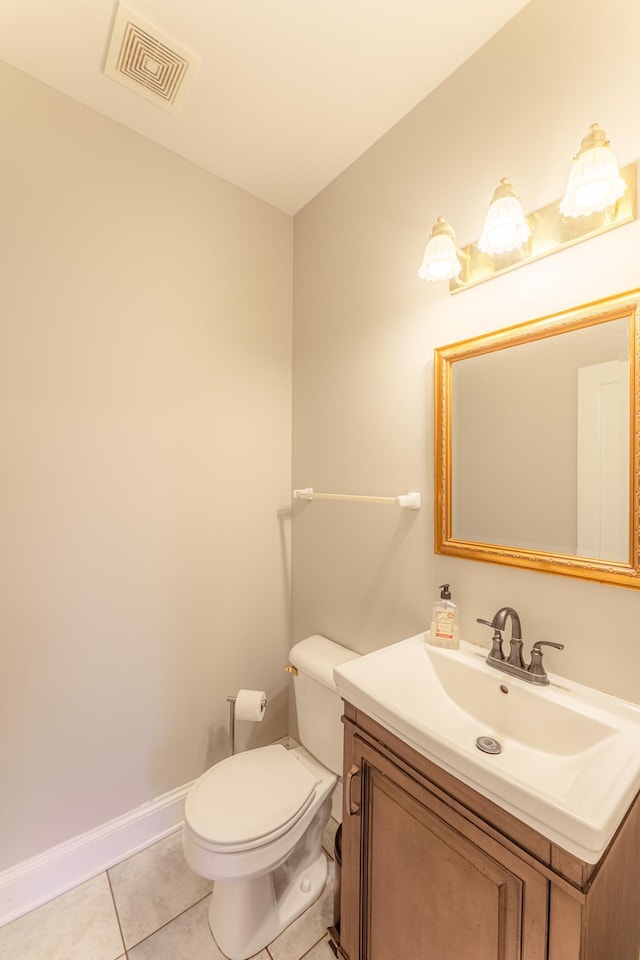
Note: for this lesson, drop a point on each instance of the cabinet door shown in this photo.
(432, 885)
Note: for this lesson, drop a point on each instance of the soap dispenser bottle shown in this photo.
(444, 621)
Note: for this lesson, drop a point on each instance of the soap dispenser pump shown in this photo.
(444, 622)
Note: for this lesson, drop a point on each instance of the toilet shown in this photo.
(253, 822)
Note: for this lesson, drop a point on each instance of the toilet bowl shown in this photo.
(254, 822)
(259, 835)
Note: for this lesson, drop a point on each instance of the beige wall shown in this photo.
(145, 414)
(145, 466)
(365, 328)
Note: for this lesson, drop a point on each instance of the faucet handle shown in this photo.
(497, 653)
(535, 667)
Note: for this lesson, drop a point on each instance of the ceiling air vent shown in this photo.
(148, 62)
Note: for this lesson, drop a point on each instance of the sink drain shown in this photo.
(488, 745)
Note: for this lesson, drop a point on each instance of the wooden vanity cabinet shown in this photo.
(431, 870)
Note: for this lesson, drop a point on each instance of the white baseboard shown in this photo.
(41, 878)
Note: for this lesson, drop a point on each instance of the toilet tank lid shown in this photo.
(317, 656)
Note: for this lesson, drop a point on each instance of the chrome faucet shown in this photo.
(514, 664)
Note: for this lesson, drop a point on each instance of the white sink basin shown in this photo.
(570, 760)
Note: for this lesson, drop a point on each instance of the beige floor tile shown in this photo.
(186, 938)
(321, 951)
(153, 887)
(79, 925)
(307, 929)
(329, 837)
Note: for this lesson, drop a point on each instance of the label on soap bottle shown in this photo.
(444, 624)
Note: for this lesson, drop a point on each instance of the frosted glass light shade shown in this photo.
(440, 261)
(505, 226)
(594, 179)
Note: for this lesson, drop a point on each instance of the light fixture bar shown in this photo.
(550, 232)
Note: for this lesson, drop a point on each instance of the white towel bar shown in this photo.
(412, 501)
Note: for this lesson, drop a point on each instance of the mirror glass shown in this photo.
(536, 444)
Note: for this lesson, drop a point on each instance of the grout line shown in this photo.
(115, 908)
(324, 936)
(163, 925)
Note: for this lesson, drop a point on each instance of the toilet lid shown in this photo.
(249, 795)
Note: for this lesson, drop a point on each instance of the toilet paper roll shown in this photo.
(250, 704)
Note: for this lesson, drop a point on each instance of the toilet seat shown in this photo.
(249, 799)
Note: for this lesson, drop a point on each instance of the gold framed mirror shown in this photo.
(537, 444)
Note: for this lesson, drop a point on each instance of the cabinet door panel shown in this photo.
(434, 886)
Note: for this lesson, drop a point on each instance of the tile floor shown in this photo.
(152, 907)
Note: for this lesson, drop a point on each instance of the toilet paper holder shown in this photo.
(232, 722)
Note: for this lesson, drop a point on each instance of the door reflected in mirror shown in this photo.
(537, 446)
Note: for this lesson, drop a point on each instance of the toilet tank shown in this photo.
(318, 703)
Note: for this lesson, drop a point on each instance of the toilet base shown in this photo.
(246, 915)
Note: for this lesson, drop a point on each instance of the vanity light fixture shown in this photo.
(440, 261)
(599, 197)
(594, 180)
(505, 227)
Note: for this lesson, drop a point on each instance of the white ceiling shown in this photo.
(288, 92)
